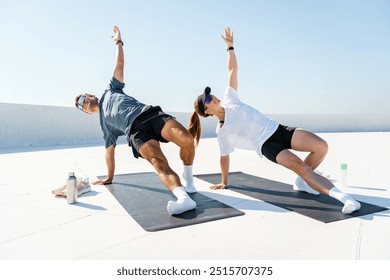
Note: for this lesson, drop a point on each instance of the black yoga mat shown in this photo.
(320, 207)
(145, 198)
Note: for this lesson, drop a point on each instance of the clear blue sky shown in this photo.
(294, 56)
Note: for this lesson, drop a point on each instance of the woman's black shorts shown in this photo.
(279, 141)
(148, 125)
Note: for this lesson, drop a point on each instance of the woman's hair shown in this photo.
(195, 128)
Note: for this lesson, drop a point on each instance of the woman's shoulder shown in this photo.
(230, 94)
(230, 90)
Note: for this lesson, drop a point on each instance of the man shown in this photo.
(145, 127)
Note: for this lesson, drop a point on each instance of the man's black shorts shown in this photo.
(147, 126)
(279, 141)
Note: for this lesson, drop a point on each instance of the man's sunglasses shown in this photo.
(81, 102)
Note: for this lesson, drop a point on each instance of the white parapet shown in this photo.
(23, 126)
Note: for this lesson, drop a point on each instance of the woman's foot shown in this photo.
(302, 186)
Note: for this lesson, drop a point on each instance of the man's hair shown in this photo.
(76, 100)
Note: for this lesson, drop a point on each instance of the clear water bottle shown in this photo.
(344, 175)
(71, 188)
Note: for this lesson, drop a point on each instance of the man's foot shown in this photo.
(175, 208)
(350, 206)
(302, 186)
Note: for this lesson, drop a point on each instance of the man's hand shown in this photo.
(103, 182)
(120, 60)
(228, 39)
(218, 187)
(117, 34)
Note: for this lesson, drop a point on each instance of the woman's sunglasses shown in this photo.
(208, 99)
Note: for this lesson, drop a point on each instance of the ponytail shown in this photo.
(195, 127)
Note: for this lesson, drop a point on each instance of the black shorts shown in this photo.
(147, 126)
(279, 141)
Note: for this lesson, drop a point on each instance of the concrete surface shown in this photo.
(37, 226)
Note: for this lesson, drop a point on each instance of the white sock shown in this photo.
(302, 186)
(350, 204)
(189, 179)
(183, 203)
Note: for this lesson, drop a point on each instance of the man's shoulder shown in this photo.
(116, 85)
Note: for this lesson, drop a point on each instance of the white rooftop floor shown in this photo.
(36, 225)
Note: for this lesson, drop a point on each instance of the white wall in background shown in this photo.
(23, 126)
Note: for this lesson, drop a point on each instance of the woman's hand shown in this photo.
(220, 186)
(228, 39)
(106, 181)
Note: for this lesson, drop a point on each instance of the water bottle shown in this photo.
(344, 175)
(71, 188)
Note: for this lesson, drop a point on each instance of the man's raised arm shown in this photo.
(120, 60)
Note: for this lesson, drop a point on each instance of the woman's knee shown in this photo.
(323, 147)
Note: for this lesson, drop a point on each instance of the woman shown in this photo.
(242, 126)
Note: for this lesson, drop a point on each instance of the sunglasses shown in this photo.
(81, 102)
(208, 99)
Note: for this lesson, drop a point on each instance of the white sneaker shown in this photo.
(302, 186)
(350, 206)
(176, 207)
(82, 187)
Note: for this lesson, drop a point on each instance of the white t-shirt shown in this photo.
(244, 126)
